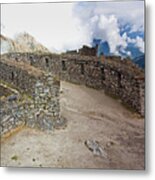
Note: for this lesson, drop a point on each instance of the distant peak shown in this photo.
(23, 42)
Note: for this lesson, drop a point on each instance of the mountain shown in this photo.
(140, 61)
(103, 48)
(131, 50)
(8, 45)
(126, 30)
(23, 42)
(135, 52)
(136, 55)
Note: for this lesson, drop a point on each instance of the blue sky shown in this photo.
(63, 26)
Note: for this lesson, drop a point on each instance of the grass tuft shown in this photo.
(15, 158)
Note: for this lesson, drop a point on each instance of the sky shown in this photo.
(67, 26)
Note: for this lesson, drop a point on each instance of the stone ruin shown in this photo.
(85, 50)
(33, 98)
(29, 74)
(88, 51)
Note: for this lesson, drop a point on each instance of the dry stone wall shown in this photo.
(36, 104)
(12, 116)
(18, 77)
(44, 111)
(122, 79)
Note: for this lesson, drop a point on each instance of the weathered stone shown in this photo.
(12, 98)
(35, 113)
(121, 79)
(95, 148)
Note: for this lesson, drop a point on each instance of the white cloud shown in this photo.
(52, 24)
(131, 12)
(62, 26)
(105, 28)
(128, 53)
(104, 19)
(140, 43)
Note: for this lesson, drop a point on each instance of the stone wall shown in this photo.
(12, 116)
(122, 79)
(4, 91)
(88, 51)
(44, 111)
(18, 76)
(41, 111)
(37, 102)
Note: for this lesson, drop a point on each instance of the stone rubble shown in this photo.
(94, 146)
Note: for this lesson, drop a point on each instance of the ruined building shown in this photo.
(35, 79)
(85, 51)
(88, 51)
(33, 100)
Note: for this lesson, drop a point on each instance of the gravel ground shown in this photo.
(91, 115)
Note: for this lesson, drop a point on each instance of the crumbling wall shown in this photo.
(126, 86)
(88, 51)
(42, 61)
(115, 80)
(44, 110)
(36, 104)
(12, 116)
(122, 79)
(18, 77)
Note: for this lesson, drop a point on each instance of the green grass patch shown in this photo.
(15, 158)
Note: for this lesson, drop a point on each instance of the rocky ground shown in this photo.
(115, 132)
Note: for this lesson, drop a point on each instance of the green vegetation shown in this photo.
(15, 157)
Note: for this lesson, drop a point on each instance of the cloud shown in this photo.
(140, 43)
(52, 24)
(107, 28)
(63, 26)
(137, 42)
(104, 20)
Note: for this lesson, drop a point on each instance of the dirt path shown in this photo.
(91, 115)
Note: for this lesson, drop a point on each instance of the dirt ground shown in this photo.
(91, 115)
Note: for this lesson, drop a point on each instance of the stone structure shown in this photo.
(72, 52)
(12, 116)
(120, 78)
(88, 51)
(35, 103)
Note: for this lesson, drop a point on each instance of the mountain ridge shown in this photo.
(23, 42)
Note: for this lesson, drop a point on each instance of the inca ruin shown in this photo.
(38, 77)
(75, 97)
